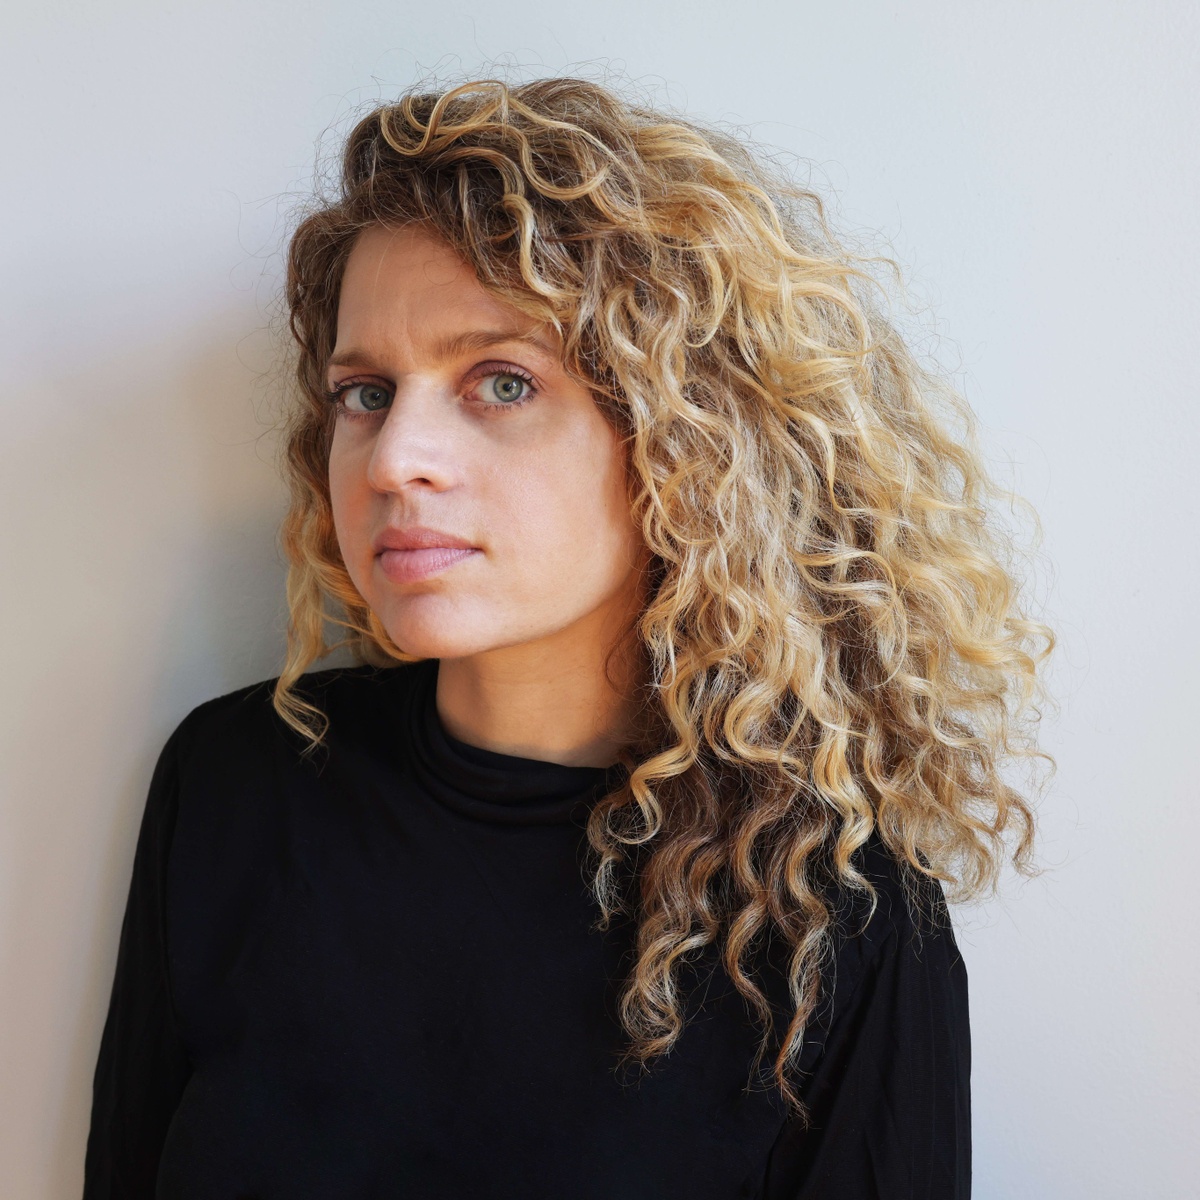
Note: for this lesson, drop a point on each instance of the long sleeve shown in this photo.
(889, 1096)
(142, 1065)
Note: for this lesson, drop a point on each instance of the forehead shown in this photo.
(407, 285)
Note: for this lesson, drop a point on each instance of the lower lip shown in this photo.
(405, 566)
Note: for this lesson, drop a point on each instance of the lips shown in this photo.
(419, 537)
(417, 552)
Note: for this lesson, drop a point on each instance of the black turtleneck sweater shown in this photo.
(373, 973)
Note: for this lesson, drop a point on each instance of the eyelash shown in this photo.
(337, 393)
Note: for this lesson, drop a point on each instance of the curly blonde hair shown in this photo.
(834, 638)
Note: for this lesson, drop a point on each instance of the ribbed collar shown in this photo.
(488, 786)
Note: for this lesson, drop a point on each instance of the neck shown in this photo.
(561, 699)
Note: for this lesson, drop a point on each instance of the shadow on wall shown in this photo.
(145, 578)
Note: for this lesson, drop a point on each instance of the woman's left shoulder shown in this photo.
(884, 1072)
(908, 903)
(902, 930)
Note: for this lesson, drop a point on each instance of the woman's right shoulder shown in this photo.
(232, 771)
(245, 722)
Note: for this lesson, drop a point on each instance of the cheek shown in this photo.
(346, 502)
(571, 519)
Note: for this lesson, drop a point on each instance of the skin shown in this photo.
(428, 434)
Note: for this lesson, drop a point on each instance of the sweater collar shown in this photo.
(488, 786)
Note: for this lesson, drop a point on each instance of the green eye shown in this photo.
(507, 388)
(375, 397)
(366, 397)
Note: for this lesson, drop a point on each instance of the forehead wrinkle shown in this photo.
(496, 328)
(450, 346)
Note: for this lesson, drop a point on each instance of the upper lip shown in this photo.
(419, 537)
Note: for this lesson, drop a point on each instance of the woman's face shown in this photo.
(478, 493)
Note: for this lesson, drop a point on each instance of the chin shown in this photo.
(435, 627)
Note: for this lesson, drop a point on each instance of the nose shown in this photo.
(415, 448)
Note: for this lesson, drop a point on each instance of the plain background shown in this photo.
(1033, 166)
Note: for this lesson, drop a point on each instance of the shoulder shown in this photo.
(234, 780)
(901, 925)
(245, 721)
(884, 1070)
(905, 905)
(901, 931)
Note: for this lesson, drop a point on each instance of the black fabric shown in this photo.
(373, 973)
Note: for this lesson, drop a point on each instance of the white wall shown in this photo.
(1035, 167)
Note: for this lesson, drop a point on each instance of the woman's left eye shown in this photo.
(505, 389)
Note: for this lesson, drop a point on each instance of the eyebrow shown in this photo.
(456, 344)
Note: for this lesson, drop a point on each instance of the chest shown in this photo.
(414, 1005)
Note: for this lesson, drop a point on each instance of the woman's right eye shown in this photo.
(364, 397)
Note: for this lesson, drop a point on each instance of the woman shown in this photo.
(689, 665)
